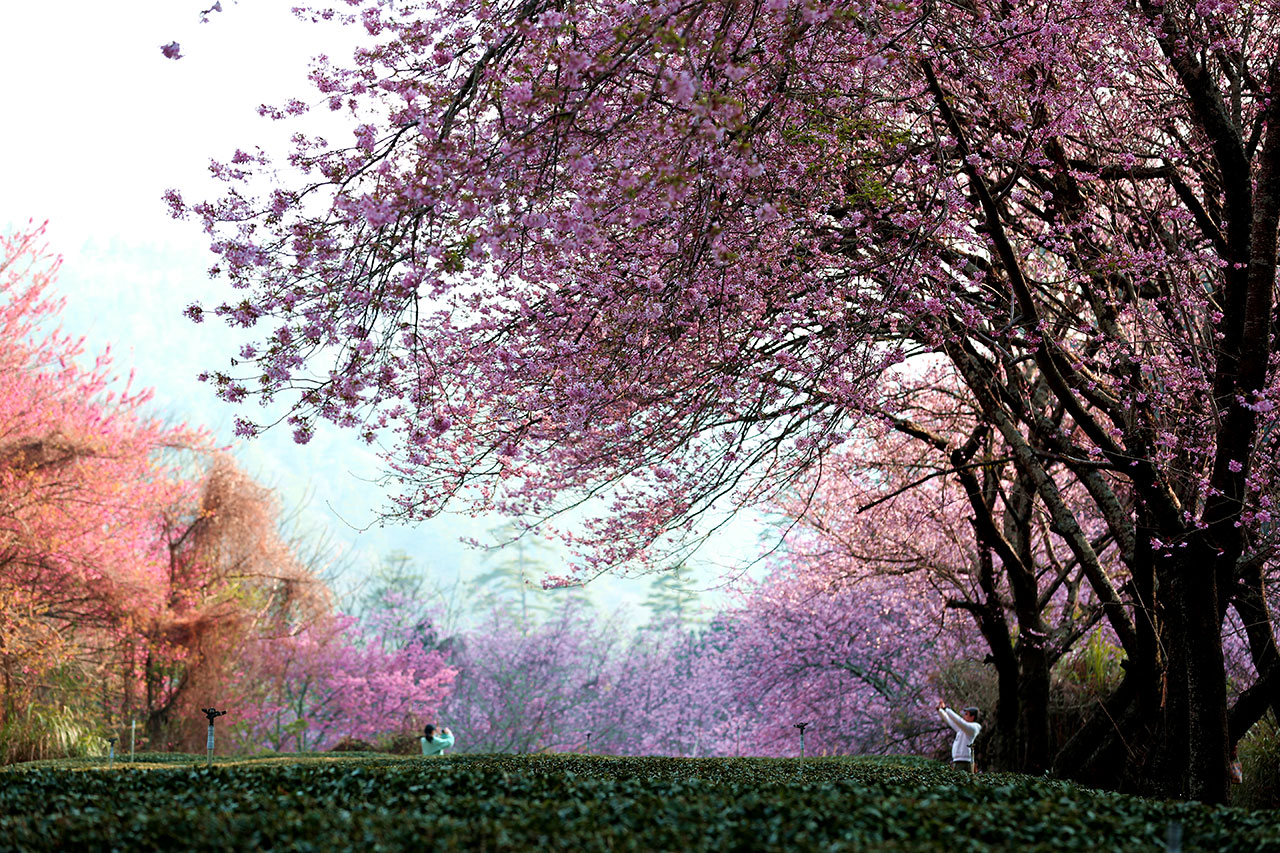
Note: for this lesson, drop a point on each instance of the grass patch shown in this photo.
(583, 803)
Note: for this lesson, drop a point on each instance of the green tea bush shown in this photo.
(588, 803)
(352, 744)
(399, 744)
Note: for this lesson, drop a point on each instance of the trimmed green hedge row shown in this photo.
(585, 803)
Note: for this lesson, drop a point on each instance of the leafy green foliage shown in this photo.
(43, 730)
(584, 803)
(1260, 757)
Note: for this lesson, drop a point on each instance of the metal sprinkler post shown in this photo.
(111, 752)
(801, 727)
(212, 714)
(133, 736)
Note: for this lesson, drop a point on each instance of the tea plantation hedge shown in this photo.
(585, 803)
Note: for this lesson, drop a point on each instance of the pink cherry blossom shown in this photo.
(641, 262)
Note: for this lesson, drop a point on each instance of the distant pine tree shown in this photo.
(671, 599)
(518, 561)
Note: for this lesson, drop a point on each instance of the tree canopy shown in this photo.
(676, 253)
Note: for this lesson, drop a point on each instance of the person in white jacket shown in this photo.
(434, 743)
(966, 728)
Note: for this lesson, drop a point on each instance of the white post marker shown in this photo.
(133, 734)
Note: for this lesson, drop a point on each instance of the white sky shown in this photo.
(97, 125)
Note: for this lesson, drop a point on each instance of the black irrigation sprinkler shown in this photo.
(212, 714)
(111, 752)
(801, 727)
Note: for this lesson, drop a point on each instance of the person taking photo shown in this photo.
(435, 742)
(966, 727)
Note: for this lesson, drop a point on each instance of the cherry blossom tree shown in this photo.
(136, 563)
(231, 581)
(857, 660)
(665, 252)
(667, 691)
(84, 471)
(893, 504)
(340, 677)
(531, 686)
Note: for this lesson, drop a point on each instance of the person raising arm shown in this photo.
(433, 742)
(966, 727)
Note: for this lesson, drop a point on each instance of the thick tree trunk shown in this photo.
(1191, 756)
(1033, 709)
(1002, 745)
(1167, 739)
(1208, 774)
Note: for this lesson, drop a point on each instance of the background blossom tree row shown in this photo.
(145, 577)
